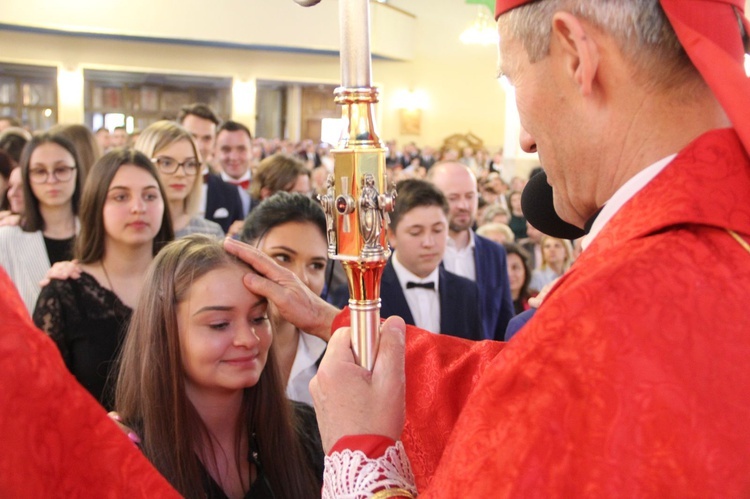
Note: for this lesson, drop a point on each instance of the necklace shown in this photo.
(111, 288)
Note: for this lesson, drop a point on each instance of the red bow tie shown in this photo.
(240, 183)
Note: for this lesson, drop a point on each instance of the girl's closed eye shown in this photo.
(219, 325)
(259, 320)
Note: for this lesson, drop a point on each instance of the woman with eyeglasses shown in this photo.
(124, 222)
(176, 156)
(52, 189)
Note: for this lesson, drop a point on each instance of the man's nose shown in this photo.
(528, 143)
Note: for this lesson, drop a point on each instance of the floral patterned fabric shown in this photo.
(57, 441)
(632, 380)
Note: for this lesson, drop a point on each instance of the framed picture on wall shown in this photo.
(410, 121)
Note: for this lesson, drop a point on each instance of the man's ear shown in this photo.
(578, 47)
(391, 238)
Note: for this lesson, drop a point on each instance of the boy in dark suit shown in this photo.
(414, 285)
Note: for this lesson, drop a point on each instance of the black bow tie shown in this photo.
(425, 285)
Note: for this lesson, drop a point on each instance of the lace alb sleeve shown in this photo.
(352, 475)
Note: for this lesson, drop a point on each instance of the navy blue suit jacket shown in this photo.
(223, 203)
(459, 299)
(496, 303)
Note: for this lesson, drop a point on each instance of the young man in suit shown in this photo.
(220, 201)
(414, 285)
(233, 153)
(469, 255)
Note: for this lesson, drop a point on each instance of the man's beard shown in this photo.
(460, 227)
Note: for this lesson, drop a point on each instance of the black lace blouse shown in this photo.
(88, 323)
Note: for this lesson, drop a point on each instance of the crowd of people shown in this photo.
(211, 353)
(97, 227)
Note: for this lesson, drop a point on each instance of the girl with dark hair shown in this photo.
(6, 166)
(51, 191)
(124, 223)
(200, 385)
(291, 228)
(519, 276)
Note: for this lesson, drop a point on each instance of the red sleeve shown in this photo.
(441, 372)
(57, 440)
(373, 446)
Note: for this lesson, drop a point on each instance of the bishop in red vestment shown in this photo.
(632, 378)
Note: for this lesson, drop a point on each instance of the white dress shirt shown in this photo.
(623, 195)
(244, 194)
(461, 261)
(424, 303)
(309, 350)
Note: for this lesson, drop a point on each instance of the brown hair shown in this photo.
(85, 144)
(202, 111)
(89, 246)
(413, 193)
(276, 173)
(150, 392)
(32, 217)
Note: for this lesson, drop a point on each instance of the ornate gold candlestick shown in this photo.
(358, 199)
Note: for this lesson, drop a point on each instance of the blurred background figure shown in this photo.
(12, 141)
(517, 220)
(119, 137)
(85, 143)
(276, 173)
(557, 257)
(103, 140)
(519, 274)
(500, 233)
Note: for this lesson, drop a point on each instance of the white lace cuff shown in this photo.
(352, 475)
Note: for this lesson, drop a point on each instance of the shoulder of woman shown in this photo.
(11, 231)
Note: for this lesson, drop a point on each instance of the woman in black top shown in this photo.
(198, 382)
(124, 222)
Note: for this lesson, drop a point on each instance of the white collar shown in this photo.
(623, 195)
(404, 275)
(470, 246)
(227, 178)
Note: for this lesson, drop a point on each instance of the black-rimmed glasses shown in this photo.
(170, 165)
(59, 173)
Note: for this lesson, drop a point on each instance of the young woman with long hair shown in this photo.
(51, 190)
(557, 257)
(124, 223)
(199, 383)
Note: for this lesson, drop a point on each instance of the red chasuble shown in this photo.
(631, 380)
(57, 440)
